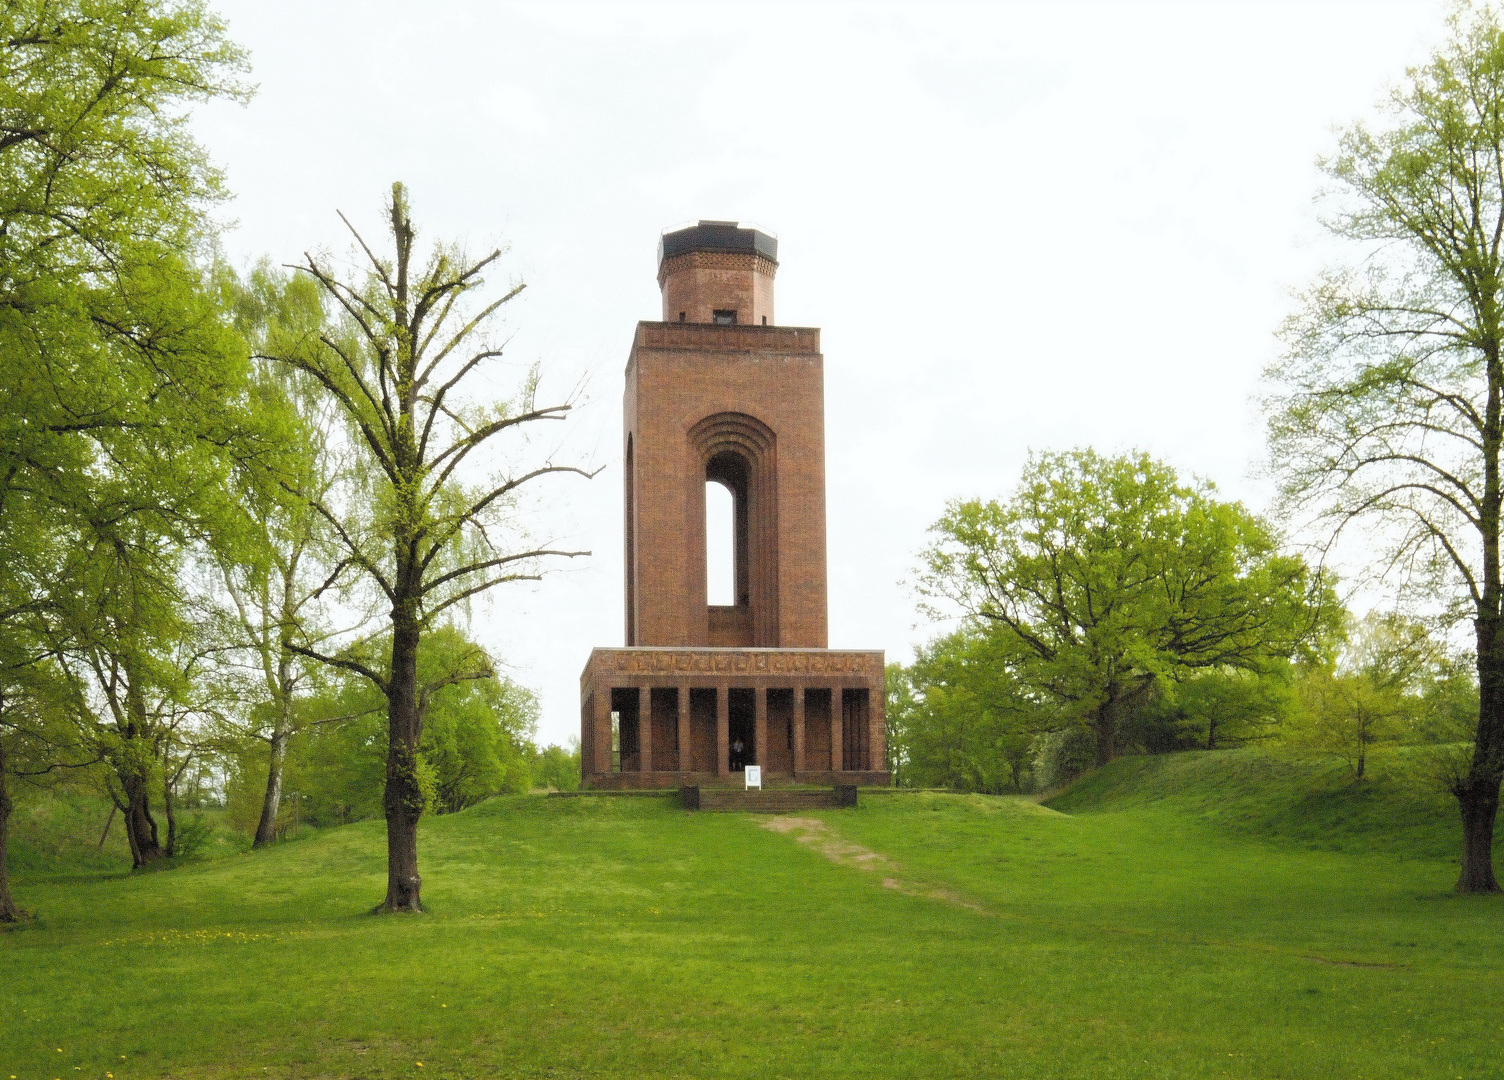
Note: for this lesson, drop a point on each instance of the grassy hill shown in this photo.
(1178, 920)
(1402, 807)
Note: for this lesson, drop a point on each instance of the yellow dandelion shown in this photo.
(420, 1064)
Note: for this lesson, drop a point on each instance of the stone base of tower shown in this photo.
(668, 717)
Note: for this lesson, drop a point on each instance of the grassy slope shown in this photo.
(1155, 934)
(57, 834)
(1402, 806)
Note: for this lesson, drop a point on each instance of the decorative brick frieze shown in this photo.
(715, 260)
(702, 338)
(757, 663)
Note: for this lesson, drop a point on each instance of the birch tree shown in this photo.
(275, 592)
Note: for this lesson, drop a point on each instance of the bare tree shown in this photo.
(1389, 407)
(431, 520)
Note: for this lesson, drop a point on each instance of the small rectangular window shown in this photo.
(681, 316)
(765, 320)
(725, 318)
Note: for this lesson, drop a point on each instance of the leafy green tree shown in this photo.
(118, 381)
(1388, 412)
(967, 721)
(1104, 578)
(1218, 707)
(1449, 701)
(557, 767)
(899, 712)
(477, 739)
(434, 522)
(1374, 692)
(478, 734)
(146, 660)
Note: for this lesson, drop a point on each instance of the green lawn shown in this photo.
(1185, 918)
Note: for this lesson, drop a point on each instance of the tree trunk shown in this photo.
(140, 826)
(266, 829)
(107, 823)
(1478, 792)
(135, 777)
(1478, 815)
(403, 800)
(1106, 736)
(8, 910)
(172, 821)
(1105, 724)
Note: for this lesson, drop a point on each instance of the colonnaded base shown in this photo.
(672, 717)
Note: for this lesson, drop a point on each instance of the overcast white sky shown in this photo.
(1020, 226)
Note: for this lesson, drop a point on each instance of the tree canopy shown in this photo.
(1102, 578)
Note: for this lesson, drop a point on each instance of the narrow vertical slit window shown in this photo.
(720, 554)
(631, 545)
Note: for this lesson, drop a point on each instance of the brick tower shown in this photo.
(718, 393)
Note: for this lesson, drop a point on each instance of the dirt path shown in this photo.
(820, 837)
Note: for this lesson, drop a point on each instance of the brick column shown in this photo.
(877, 712)
(686, 758)
(723, 730)
(602, 729)
(837, 732)
(798, 730)
(760, 727)
(644, 729)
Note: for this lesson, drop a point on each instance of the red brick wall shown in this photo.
(702, 730)
(698, 283)
(677, 377)
(816, 730)
(665, 702)
(778, 756)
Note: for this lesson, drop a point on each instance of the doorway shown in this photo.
(741, 710)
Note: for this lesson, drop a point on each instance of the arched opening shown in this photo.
(720, 544)
(739, 457)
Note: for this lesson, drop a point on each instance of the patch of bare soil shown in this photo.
(820, 837)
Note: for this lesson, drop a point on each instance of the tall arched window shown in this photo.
(720, 544)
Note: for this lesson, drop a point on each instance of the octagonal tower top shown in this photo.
(717, 272)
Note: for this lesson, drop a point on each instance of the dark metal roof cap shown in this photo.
(718, 236)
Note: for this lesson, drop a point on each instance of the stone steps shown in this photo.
(730, 800)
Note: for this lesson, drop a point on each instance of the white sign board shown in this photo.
(754, 776)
